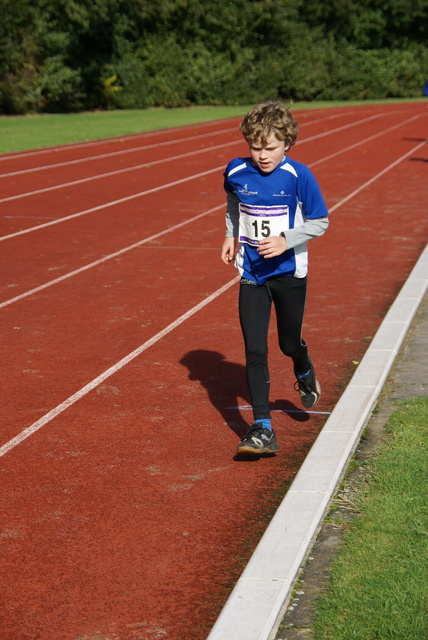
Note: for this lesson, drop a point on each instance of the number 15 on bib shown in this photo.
(257, 222)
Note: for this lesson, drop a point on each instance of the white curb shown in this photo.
(256, 605)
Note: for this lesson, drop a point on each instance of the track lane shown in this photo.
(120, 145)
(107, 191)
(102, 233)
(96, 466)
(111, 256)
(65, 178)
(36, 158)
(64, 175)
(128, 151)
(125, 226)
(43, 321)
(70, 470)
(86, 324)
(102, 475)
(329, 133)
(89, 304)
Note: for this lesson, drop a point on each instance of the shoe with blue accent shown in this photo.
(258, 440)
(309, 388)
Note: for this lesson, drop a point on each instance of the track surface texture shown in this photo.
(125, 513)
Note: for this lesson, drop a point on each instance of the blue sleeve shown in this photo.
(227, 186)
(310, 195)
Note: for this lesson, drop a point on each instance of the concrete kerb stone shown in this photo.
(257, 603)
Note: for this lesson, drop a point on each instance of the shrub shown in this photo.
(59, 87)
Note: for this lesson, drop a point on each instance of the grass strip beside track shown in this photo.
(18, 133)
(377, 587)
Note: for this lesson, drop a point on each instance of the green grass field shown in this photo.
(378, 584)
(18, 133)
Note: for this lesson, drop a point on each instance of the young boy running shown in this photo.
(274, 206)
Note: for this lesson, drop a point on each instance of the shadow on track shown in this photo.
(226, 386)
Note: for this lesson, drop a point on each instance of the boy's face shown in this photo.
(267, 156)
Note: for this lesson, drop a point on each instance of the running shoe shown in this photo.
(258, 440)
(309, 389)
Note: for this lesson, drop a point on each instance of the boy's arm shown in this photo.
(307, 231)
(229, 249)
(276, 245)
(232, 215)
(230, 244)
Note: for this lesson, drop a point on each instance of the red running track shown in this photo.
(124, 512)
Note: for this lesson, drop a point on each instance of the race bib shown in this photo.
(257, 222)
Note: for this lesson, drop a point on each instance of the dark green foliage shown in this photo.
(71, 55)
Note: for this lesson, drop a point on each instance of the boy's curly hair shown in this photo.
(266, 118)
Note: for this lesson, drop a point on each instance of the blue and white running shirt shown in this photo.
(265, 204)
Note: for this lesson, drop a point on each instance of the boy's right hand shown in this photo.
(229, 249)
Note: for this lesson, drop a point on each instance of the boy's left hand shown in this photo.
(272, 246)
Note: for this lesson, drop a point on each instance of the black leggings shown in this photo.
(289, 296)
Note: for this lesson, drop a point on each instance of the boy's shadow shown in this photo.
(225, 382)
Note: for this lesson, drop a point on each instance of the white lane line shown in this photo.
(108, 257)
(101, 156)
(108, 174)
(124, 151)
(30, 217)
(360, 142)
(248, 407)
(112, 370)
(124, 250)
(376, 177)
(112, 203)
(157, 132)
(172, 158)
(148, 134)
